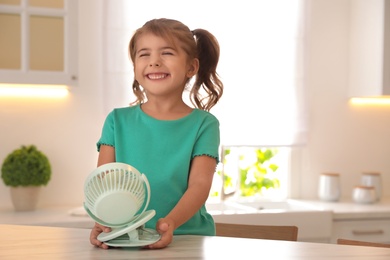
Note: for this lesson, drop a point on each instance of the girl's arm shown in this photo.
(106, 155)
(199, 184)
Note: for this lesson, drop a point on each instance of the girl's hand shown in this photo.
(96, 230)
(165, 228)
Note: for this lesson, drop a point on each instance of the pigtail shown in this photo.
(137, 90)
(139, 94)
(207, 78)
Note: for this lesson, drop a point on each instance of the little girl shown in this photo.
(173, 144)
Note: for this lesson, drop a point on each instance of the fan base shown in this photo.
(133, 234)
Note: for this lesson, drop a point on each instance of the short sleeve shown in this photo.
(208, 139)
(107, 137)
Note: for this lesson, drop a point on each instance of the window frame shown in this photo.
(24, 75)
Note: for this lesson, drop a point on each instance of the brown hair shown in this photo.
(199, 44)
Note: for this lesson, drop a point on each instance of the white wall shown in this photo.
(66, 129)
(342, 138)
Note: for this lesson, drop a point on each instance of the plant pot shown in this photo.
(25, 198)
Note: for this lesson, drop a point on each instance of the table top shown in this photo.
(37, 242)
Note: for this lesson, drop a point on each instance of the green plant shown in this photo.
(256, 176)
(26, 166)
(254, 168)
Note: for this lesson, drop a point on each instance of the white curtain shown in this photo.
(261, 63)
(117, 68)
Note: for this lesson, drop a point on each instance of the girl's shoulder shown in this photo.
(204, 114)
(125, 110)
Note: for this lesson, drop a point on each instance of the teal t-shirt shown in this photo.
(163, 150)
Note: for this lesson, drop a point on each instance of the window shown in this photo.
(260, 65)
(250, 173)
(38, 42)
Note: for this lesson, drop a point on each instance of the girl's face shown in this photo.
(161, 68)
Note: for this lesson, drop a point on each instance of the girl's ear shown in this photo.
(193, 68)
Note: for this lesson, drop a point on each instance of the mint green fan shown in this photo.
(117, 196)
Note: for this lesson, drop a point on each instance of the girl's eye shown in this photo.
(167, 53)
(143, 54)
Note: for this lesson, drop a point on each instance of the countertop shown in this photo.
(348, 209)
(54, 216)
(76, 216)
(29, 242)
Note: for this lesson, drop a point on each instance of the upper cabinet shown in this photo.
(369, 48)
(38, 42)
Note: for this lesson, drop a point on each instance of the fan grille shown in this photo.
(115, 192)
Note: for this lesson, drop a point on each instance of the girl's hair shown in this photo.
(199, 44)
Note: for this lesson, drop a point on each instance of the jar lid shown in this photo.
(331, 174)
(371, 173)
(365, 187)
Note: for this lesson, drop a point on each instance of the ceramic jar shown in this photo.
(364, 194)
(329, 187)
(373, 179)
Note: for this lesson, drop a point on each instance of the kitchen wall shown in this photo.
(342, 138)
(65, 129)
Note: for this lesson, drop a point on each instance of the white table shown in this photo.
(36, 242)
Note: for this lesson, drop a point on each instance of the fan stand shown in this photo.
(134, 234)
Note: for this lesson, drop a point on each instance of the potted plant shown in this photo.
(25, 171)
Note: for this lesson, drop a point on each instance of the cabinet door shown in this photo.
(369, 48)
(377, 230)
(38, 42)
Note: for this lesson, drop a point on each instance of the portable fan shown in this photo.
(116, 196)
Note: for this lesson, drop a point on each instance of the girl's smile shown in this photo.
(155, 76)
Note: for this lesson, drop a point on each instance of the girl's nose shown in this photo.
(154, 61)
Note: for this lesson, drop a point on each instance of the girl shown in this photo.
(173, 144)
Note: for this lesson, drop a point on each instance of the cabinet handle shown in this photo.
(367, 232)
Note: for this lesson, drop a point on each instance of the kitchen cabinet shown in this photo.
(38, 43)
(350, 220)
(372, 230)
(366, 222)
(369, 48)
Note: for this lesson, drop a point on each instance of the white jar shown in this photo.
(373, 179)
(364, 194)
(329, 187)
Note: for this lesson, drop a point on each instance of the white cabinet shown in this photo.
(372, 230)
(369, 48)
(38, 43)
(350, 220)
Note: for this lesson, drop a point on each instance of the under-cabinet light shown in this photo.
(370, 101)
(33, 91)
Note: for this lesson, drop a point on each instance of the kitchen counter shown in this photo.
(74, 217)
(348, 209)
(77, 218)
